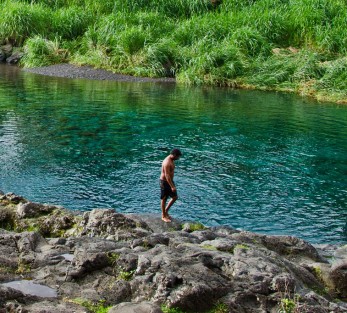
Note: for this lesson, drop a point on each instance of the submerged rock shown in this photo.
(136, 263)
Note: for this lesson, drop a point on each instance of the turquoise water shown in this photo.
(266, 162)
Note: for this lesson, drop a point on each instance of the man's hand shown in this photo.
(173, 189)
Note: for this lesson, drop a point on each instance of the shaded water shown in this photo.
(266, 162)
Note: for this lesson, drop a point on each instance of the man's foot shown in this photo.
(166, 219)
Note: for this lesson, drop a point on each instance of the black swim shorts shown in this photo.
(165, 190)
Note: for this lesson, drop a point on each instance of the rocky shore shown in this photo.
(9, 55)
(87, 72)
(55, 260)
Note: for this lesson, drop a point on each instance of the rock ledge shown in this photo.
(137, 263)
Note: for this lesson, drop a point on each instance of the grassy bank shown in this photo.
(292, 45)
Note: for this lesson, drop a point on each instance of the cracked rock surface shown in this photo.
(137, 263)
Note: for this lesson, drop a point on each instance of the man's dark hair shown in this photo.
(176, 152)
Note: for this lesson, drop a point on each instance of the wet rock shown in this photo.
(5, 51)
(27, 287)
(15, 57)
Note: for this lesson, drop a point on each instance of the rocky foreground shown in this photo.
(54, 260)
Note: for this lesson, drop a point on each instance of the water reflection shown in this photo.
(264, 162)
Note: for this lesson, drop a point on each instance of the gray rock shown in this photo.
(31, 209)
(7, 49)
(13, 198)
(143, 307)
(2, 58)
(338, 276)
(140, 264)
(105, 222)
(15, 58)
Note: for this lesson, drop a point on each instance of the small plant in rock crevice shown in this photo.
(126, 275)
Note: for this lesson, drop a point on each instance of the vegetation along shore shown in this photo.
(289, 45)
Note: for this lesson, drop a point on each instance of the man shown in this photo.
(167, 185)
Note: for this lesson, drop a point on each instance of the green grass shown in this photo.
(217, 308)
(200, 42)
(41, 52)
(196, 226)
(94, 307)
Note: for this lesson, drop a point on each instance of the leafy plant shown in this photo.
(287, 306)
(126, 275)
(113, 258)
(220, 307)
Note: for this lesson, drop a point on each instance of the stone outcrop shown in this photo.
(137, 263)
(10, 55)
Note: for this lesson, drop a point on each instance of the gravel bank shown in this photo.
(87, 72)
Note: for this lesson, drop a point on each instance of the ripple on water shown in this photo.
(255, 161)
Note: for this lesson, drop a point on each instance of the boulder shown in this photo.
(338, 276)
(31, 209)
(105, 222)
(5, 52)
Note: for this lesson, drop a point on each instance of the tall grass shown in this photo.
(268, 44)
(170, 8)
(19, 21)
(41, 52)
(71, 22)
(285, 69)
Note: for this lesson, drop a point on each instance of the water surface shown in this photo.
(266, 162)
(30, 288)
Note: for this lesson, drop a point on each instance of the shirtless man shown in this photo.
(167, 185)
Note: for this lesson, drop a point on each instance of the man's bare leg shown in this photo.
(171, 202)
(163, 210)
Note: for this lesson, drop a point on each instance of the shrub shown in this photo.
(41, 52)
